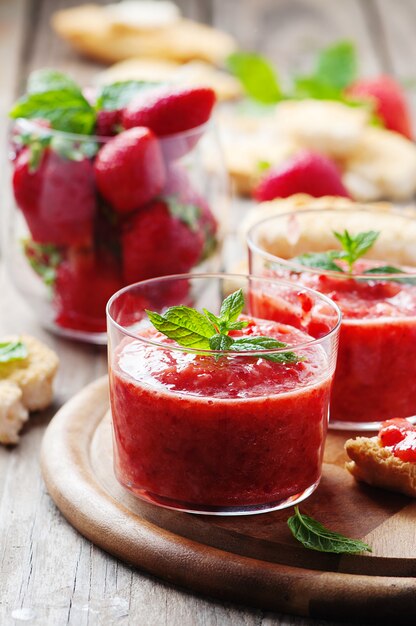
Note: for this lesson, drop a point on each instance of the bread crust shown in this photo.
(376, 465)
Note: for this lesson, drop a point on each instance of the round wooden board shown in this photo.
(250, 559)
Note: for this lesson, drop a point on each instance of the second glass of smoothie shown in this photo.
(376, 368)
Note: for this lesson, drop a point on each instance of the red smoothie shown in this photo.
(376, 366)
(237, 431)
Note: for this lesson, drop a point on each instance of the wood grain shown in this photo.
(49, 574)
(220, 556)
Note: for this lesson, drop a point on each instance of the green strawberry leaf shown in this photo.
(118, 95)
(314, 536)
(12, 351)
(66, 110)
(189, 214)
(50, 80)
(257, 76)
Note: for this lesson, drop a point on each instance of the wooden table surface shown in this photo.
(49, 574)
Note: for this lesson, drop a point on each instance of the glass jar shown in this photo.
(223, 433)
(376, 369)
(74, 238)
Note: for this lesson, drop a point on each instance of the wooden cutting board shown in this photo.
(250, 559)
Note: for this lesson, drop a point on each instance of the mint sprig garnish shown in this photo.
(12, 351)
(314, 536)
(206, 331)
(257, 76)
(353, 248)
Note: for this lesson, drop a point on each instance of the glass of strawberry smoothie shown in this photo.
(94, 213)
(224, 432)
(376, 367)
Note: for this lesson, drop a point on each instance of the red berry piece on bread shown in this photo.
(56, 196)
(389, 101)
(156, 242)
(170, 110)
(129, 169)
(307, 172)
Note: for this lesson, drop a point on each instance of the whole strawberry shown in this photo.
(389, 100)
(84, 283)
(156, 241)
(170, 110)
(129, 169)
(108, 122)
(57, 197)
(307, 172)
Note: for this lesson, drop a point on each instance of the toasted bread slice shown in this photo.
(373, 464)
(94, 31)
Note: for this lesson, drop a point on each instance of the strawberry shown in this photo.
(170, 110)
(83, 285)
(107, 122)
(389, 100)
(156, 242)
(178, 188)
(57, 197)
(307, 172)
(129, 169)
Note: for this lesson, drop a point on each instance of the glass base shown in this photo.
(254, 509)
(98, 339)
(362, 426)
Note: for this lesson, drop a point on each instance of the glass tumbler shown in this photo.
(376, 368)
(220, 432)
(70, 246)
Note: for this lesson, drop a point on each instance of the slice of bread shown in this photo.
(376, 465)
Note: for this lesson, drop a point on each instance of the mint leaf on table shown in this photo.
(12, 351)
(50, 80)
(118, 95)
(66, 109)
(314, 536)
(192, 329)
(257, 76)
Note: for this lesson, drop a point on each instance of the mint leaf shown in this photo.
(314, 536)
(257, 76)
(319, 260)
(355, 246)
(232, 306)
(337, 65)
(118, 95)
(186, 326)
(335, 69)
(390, 269)
(50, 80)
(192, 329)
(220, 342)
(66, 109)
(12, 351)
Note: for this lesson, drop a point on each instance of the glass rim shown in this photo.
(299, 268)
(44, 130)
(306, 344)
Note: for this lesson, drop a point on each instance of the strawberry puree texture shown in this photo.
(238, 431)
(376, 366)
